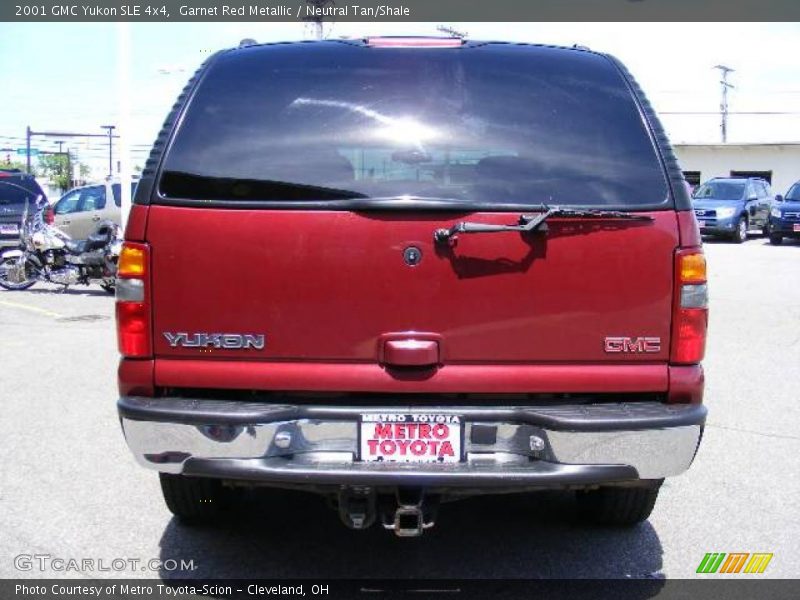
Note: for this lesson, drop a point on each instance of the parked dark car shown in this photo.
(16, 188)
(732, 207)
(784, 219)
(401, 271)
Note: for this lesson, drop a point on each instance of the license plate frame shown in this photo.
(413, 438)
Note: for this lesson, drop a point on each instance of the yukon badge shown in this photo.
(633, 345)
(231, 341)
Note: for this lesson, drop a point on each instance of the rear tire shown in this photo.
(775, 239)
(618, 506)
(740, 231)
(194, 500)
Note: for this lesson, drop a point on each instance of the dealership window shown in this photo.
(766, 175)
(692, 177)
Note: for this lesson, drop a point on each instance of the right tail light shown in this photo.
(690, 310)
(133, 301)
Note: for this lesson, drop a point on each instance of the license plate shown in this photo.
(9, 229)
(410, 438)
(796, 227)
(701, 224)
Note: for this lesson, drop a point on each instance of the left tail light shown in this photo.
(133, 301)
(690, 311)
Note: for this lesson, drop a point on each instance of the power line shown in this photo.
(729, 112)
(452, 32)
(55, 134)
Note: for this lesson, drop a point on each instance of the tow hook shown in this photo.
(413, 513)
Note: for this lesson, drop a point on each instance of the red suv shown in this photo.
(400, 271)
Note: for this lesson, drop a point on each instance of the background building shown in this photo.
(778, 163)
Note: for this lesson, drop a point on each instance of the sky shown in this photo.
(64, 76)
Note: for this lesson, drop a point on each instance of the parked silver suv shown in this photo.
(78, 212)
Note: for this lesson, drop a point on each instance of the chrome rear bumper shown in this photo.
(548, 446)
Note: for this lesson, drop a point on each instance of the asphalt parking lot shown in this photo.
(70, 489)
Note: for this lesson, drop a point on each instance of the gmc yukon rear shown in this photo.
(401, 271)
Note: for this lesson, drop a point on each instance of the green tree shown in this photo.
(9, 161)
(58, 168)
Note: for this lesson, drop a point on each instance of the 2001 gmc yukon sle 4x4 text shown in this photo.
(399, 271)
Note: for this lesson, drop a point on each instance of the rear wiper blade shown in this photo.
(534, 222)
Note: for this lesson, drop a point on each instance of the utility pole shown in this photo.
(62, 153)
(70, 178)
(317, 20)
(28, 149)
(723, 107)
(110, 129)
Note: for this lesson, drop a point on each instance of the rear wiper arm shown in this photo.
(530, 223)
(527, 223)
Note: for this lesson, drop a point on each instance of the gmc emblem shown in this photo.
(637, 345)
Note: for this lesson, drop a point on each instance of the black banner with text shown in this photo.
(400, 10)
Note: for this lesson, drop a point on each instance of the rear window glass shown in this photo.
(116, 189)
(721, 190)
(493, 124)
(17, 193)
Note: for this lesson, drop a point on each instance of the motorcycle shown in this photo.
(48, 254)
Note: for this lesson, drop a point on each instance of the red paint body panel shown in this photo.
(136, 377)
(688, 229)
(320, 377)
(325, 286)
(137, 223)
(686, 384)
